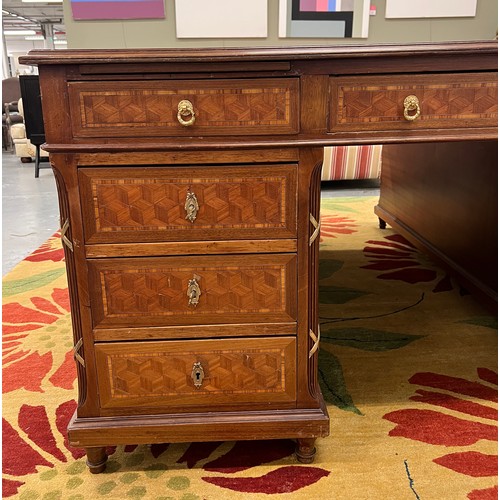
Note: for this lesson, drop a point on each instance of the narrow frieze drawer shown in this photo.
(184, 108)
(413, 102)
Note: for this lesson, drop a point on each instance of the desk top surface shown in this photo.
(102, 56)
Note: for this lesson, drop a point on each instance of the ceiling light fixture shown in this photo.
(19, 32)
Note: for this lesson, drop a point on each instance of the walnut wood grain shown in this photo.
(361, 52)
(70, 209)
(308, 204)
(443, 198)
(190, 248)
(239, 156)
(198, 331)
(340, 138)
(200, 426)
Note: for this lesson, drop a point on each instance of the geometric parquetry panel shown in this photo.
(150, 108)
(130, 204)
(154, 291)
(452, 102)
(150, 204)
(230, 371)
(162, 291)
(164, 374)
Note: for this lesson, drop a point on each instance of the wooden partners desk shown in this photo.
(443, 197)
(189, 188)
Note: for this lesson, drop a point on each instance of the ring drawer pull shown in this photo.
(197, 374)
(411, 104)
(191, 206)
(193, 292)
(185, 109)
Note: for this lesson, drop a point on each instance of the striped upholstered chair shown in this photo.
(351, 162)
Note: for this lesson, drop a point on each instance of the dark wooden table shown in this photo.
(189, 185)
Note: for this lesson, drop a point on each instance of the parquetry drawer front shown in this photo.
(434, 101)
(184, 108)
(193, 290)
(196, 373)
(160, 204)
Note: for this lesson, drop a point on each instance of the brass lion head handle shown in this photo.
(411, 105)
(184, 110)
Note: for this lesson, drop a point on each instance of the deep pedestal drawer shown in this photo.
(196, 373)
(189, 203)
(228, 288)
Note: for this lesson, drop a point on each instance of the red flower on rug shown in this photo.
(398, 260)
(50, 250)
(243, 456)
(25, 360)
(438, 428)
(20, 456)
(332, 225)
(247, 454)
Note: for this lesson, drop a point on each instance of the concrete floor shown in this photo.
(31, 213)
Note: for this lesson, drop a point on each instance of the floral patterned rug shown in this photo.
(408, 366)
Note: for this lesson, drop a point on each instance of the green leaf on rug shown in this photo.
(341, 204)
(330, 294)
(332, 382)
(328, 267)
(31, 282)
(367, 339)
(487, 321)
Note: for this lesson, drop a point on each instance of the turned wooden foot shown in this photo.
(305, 450)
(96, 459)
(381, 223)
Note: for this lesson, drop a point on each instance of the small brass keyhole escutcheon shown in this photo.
(197, 374)
(191, 206)
(193, 291)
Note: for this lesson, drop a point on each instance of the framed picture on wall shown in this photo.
(324, 18)
(221, 18)
(117, 9)
(398, 9)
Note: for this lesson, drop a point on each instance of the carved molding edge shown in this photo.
(313, 327)
(69, 258)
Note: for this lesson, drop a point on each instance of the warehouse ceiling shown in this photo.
(18, 15)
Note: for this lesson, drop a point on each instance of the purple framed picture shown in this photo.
(117, 9)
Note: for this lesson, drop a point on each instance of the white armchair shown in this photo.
(22, 145)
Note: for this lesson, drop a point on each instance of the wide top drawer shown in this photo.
(414, 102)
(184, 108)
